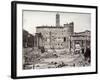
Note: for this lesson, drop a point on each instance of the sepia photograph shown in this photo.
(53, 39)
(56, 39)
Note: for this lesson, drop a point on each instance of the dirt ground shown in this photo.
(40, 60)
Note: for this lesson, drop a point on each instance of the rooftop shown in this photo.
(49, 27)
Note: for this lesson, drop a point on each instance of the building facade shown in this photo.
(62, 37)
(81, 38)
(56, 37)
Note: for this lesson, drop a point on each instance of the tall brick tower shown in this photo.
(57, 20)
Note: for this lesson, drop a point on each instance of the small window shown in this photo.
(64, 39)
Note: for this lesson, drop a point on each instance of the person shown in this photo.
(82, 50)
(87, 54)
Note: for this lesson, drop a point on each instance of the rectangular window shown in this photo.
(64, 39)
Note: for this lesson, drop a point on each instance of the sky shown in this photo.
(31, 19)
